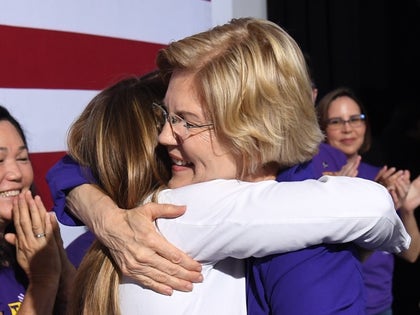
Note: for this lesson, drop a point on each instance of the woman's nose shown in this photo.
(346, 126)
(12, 171)
(167, 135)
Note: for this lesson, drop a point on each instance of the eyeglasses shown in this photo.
(178, 124)
(354, 121)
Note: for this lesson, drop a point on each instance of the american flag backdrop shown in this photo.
(56, 55)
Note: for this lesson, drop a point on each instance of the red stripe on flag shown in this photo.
(33, 58)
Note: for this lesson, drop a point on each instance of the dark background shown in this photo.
(371, 46)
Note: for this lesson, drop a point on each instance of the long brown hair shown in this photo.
(116, 137)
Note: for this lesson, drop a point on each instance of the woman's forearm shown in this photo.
(95, 209)
(238, 219)
(410, 223)
(131, 236)
(40, 297)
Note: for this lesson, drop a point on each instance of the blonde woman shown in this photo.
(248, 131)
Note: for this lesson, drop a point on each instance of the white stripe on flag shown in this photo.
(151, 21)
(45, 114)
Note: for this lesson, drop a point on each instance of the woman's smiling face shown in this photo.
(346, 138)
(16, 174)
(199, 156)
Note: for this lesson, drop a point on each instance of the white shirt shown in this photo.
(225, 218)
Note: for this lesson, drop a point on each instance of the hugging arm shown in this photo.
(239, 219)
(280, 215)
(140, 252)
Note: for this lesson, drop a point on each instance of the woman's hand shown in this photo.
(387, 176)
(145, 255)
(349, 169)
(396, 181)
(36, 247)
(131, 236)
(412, 201)
(37, 253)
(407, 214)
(399, 187)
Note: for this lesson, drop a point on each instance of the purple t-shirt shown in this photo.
(61, 178)
(324, 279)
(12, 292)
(378, 269)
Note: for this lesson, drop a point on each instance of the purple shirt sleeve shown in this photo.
(61, 178)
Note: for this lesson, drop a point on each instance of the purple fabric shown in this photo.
(61, 178)
(77, 249)
(378, 269)
(368, 171)
(316, 280)
(325, 279)
(11, 292)
(329, 159)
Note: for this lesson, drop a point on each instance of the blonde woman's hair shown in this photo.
(252, 80)
(116, 137)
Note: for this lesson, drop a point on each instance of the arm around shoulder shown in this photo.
(228, 218)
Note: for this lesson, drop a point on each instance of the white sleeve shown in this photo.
(230, 218)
